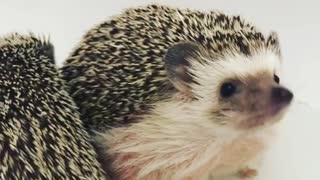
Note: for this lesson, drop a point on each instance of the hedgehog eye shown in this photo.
(276, 79)
(227, 89)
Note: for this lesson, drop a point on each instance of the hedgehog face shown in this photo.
(252, 101)
(238, 91)
(247, 90)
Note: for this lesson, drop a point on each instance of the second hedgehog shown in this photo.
(178, 93)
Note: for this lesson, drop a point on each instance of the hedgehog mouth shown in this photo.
(270, 115)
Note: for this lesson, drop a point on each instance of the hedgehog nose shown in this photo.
(281, 95)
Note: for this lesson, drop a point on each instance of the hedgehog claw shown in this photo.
(247, 173)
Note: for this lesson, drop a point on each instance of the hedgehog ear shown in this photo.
(177, 64)
(273, 42)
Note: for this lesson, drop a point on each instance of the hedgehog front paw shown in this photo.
(247, 173)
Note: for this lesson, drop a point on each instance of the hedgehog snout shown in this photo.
(280, 99)
(281, 96)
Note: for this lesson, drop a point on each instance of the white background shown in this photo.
(296, 154)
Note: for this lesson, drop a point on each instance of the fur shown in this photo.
(168, 145)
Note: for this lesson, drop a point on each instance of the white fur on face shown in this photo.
(209, 74)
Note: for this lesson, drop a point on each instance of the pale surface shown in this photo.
(296, 155)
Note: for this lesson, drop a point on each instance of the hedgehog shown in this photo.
(178, 93)
(41, 135)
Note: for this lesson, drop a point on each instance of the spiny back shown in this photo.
(118, 67)
(41, 135)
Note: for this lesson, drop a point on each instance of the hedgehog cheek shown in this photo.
(177, 64)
